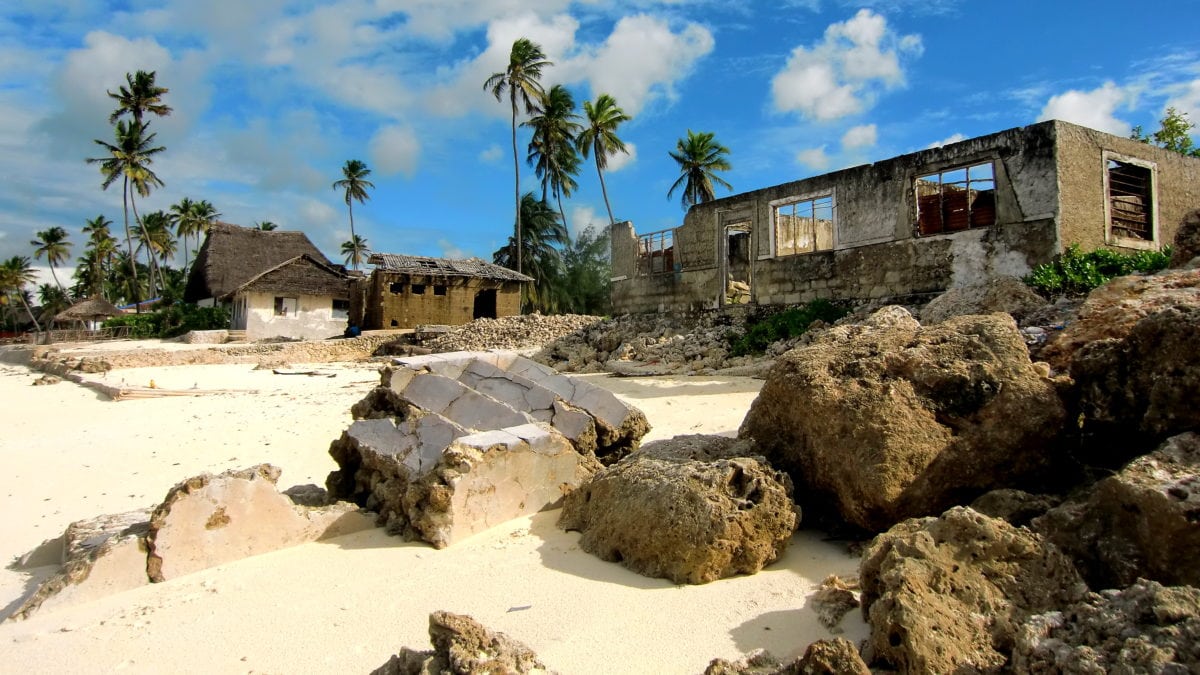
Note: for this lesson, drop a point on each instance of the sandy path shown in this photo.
(347, 604)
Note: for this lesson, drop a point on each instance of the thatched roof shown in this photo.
(88, 309)
(232, 256)
(302, 275)
(471, 267)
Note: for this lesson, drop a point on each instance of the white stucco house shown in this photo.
(275, 283)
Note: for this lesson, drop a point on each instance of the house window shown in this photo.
(418, 289)
(1129, 189)
(656, 252)
(396, 287)
(285, 306)
(803, 225)
(341, 309)
(439, 290)
(956, 199)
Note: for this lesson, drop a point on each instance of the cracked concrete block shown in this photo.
(456, 401)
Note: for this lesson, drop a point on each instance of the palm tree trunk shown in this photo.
(154, 269)
(561, 213)
(350, 207)
(21, 297)
(516, 173)
(55, 275)
(604, 190)
(129, 246)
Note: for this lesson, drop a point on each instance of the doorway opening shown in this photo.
(737, 263)
(485, 304)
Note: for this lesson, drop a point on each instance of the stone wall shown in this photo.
(391, 303)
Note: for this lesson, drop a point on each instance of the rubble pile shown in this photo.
(509, 332)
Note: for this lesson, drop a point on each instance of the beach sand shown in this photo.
(345, 605)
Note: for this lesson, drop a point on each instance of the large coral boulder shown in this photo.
(1142, 522)
(891, 420)
(692, 509)
(947, 594)
(1111, 310)
(463, 646)
(1000, 294)
(1146, 628)
(835, 656)
(1187, 240)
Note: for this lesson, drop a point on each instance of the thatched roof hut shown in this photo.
(302, 275)
(233, 255)
(88, 309)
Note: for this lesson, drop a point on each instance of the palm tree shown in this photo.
(140, 95)
(52, 243)
(129, 159)
(521, 79)
(101, 245)
(544, 237)
(699, 157)
(14, 274)
(552, 150)
(354, 182)
(192, 219)
(53, 300)
(355, 250)
(157, 241)
(599, 136)
(267, 226)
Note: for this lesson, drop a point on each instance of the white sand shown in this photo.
(347, 604)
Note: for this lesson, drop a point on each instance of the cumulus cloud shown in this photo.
(582, 215)
(395, 149)
(842, 74)
(491, 154)
(952, 138)
(620, 160)
(813, 158)
(1095, 109)
(1187, 100)
(862, 136)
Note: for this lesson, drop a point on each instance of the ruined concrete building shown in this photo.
(913, 225)
(405, 291)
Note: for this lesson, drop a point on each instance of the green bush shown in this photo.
(785, 325)
(141, 326)
(1074, 273)
(172, 321)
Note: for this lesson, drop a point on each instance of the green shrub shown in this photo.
(785, 325)
(172, 321)
(141, 326)
(1074, 273)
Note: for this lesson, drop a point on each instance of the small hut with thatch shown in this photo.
(81, 321)
(275, 283)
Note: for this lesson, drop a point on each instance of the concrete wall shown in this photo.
(1081, 167)
(387, 309)
(876, 252)
(313, 320)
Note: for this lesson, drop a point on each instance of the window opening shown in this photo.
(956, 199)
(285, 306)
(418, 289)
(439, 290)
(656, 252)
(804, 226)
(341, 309)
(397, 287)
(1130, 200)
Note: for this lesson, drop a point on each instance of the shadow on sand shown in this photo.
(560, 551)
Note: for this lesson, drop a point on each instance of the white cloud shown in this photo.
(395, 149)
(813, 158)
(582, 215)
(491, 154)
(1187, 101)
(1095, 109)
(862, 136)
(451, 250)
(952, 138)
(842, 74)
(620, 160)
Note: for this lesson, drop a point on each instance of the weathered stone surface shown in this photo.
(99, 557)
(947, 594)
(888, 420)
(691, 509)
(836, 656)
(1017, 507)
(463, 646)
(1000, 294)
(834, 599)
(757, 662)
(208, 520)
(1187, 240)
(1111, 310)
(1141, 522)
(1146, 628)
(1136, 391)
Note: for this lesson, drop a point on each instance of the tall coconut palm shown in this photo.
(521, 80)
(544, 238)
(140, 95)
(129, 159)
(354, 182)
(552, 151)
(14, 274)
(53, 300)
(699, 156)
(355, 251)
(192, 219)
(53, 244)
(268, 226)
(158, 242)
(599, 137)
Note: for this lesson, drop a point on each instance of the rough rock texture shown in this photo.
(834, 599)
(1136, 391)
(1141, 522)
(889, 420)
(836, 656)
(947, 594)
(1187, 240)
(1111, 310)
(463, 646)
(691, 509)
(453, 444)
(208, 520)
(1000, 294)
(509, 332)
(1146, 628)
(1017, 507)
(98, 557)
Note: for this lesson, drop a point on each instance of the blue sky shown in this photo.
(271, 97)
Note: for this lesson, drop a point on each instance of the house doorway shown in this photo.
(737, 263)
(485, 304)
